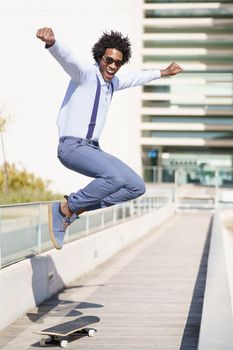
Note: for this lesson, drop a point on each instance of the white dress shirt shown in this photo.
(75, 113)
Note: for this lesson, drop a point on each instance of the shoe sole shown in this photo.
(52, 236)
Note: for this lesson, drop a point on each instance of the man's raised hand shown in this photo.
(46, 35)
(172, 69)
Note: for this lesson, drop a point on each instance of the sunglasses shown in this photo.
(110, 60)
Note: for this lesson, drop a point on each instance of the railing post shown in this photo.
(87, 223)
(114, 216)
(124, 211)
(132, 208)
(154, 203)
(176, 189)
(0, 238)
(39, 243)
(138, 207)
(102, 220)
(216, 193)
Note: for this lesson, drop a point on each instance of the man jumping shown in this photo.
(81, 120)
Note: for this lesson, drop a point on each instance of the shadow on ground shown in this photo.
(192, 327)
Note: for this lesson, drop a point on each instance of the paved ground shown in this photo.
(147, 297)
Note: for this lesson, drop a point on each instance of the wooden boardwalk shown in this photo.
(147, 297)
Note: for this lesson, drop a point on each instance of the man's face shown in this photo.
(110, 63)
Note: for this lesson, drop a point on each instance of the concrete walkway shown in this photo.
(147, 297)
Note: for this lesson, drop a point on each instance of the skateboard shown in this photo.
(62, 333)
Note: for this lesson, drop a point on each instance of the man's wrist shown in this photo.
(48, 45)
(164, 72)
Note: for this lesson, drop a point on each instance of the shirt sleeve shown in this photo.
(131, 79)
(69, 62)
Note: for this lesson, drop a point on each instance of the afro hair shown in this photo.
(112, 40)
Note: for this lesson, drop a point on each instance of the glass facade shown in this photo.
(188, 116)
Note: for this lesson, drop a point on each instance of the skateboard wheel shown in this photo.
(91, 333)
(64, 344)
(43, 342)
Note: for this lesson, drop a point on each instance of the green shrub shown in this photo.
(23, 186)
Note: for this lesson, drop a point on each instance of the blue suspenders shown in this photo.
(92, 123)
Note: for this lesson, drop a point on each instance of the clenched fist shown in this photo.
(172, 69)
(46, 35)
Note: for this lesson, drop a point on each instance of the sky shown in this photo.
(32, 84)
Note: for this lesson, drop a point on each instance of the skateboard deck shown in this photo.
(59, 334)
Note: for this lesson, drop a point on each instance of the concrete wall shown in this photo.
(216, 331)
(226, 215)
(30, 282)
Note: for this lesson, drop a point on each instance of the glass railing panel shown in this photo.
(19, 232)
(45, 242)
(78, 228)
(95, 221)
(109, 216)
(128, 210)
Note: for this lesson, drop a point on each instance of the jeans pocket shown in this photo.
(66, 147)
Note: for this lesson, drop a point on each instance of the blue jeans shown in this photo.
(114, 181)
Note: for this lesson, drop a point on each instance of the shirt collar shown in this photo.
(102, 81)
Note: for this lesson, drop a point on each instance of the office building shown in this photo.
(187, 120)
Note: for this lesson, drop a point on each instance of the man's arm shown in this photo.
(130, 79)
(69, 62)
